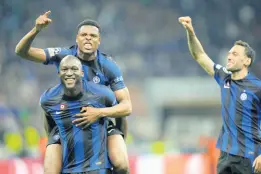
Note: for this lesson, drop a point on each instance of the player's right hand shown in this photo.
(187, 23)
(43, 21)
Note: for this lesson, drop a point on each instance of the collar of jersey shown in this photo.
(72, 98)
(74, 52)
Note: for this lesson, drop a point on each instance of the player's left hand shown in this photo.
(87, 116)
(257, 164)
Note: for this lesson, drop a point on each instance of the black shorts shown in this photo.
(101, 171)
(54, 136)
(228, 163)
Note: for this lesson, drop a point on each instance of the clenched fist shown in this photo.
(42, 21)
(187, 23)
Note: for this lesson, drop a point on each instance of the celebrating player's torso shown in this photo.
(241, 113)
(83, 149)
(102, 70)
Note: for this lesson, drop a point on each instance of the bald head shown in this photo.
(71, 61)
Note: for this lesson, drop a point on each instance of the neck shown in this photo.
(73, 92)
(239, 74)
(86, 57)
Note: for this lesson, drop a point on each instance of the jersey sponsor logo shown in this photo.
(243, 96)
(118, 79)
(54, 51)
(96, 79)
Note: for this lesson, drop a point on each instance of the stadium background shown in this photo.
(176, 116)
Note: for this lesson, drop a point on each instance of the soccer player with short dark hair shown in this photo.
(98, 68)
(84, 150)
(239, 139)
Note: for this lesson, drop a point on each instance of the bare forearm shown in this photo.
(120, 110)
(194, 44)
(23, 47)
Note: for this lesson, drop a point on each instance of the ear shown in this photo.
(59, 74)
(82, 74)
(248, 61)
(76, 40)
(99, 39)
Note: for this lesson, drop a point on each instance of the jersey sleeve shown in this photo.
(43, 101)
(114, 75)
(220, 73)
(51, 54)
(110, 99)
(49, 123)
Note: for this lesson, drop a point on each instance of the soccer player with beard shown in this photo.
(98, 68)
(239, 139)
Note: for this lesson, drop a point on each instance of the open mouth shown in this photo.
(69, 80)
(88, 45)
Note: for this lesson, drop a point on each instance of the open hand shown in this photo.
(87, 116)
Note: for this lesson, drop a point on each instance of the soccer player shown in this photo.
(98, 68)
(239, 139)
(84, 150)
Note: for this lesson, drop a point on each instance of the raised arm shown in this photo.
(24, 49)
(195, 47)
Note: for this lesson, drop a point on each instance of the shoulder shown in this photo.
(219, 67)
(61, 50)
(51, 95)
(254, 80)
(97, 89)
(107, 61)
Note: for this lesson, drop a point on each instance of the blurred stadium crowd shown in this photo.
(143, 36)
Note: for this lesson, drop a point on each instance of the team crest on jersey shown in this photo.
(62, 106)
(96, 79)
(243, 96)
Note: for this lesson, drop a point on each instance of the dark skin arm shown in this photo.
(24, 49)
(119, 111)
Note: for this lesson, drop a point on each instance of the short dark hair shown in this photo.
(89, 22)
(249, 52)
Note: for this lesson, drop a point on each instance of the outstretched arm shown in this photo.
(24, 49)
(195, 47)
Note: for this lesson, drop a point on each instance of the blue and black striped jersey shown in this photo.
(102, 70)
(241, 114)
(83, 149)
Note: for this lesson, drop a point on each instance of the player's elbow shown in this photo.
(128, 108)
(19, 52)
